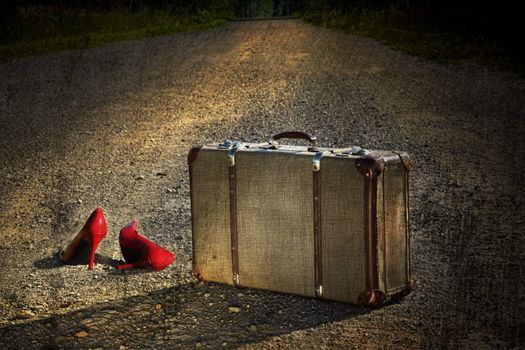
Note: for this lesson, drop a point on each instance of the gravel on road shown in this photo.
(111, 127)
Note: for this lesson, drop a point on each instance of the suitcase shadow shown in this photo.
(185, 316)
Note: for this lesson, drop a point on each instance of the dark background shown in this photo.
(500, 19)
(500, 22)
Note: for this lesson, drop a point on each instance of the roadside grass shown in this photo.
(423, 36)
(42, 30)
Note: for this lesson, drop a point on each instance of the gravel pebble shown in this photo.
(81, 334)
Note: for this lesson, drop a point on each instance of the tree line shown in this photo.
(503, 20)
(493, 16)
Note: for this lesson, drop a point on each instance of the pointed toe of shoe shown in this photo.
(161, 260)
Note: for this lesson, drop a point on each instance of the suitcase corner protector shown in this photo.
(370, 166)
(405, 159)
(193, 153)
(197, 275)
(372, 298)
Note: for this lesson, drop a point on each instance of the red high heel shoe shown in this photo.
(86, 241)
(138, 251)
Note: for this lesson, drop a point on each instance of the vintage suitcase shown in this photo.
(312, 221)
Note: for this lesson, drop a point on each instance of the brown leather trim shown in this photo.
(193, 153)
(367, 209)
(318, 261)
(370, 219)
(373, 298)
(385, 239)
(407, 223)
(373, 235)
(233, 222)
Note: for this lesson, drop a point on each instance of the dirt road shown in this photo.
(111, 127)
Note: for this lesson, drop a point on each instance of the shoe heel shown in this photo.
(95, 240)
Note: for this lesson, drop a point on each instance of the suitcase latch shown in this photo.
(353, 151)
(316, 161)
(229, 144)
(232, 147)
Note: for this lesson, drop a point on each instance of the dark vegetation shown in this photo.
(35, 26)
(443, 30)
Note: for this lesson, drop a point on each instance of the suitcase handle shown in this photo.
(296, 135)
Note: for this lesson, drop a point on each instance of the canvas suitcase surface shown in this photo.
(312, 221)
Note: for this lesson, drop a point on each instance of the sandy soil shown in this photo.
(111, 127)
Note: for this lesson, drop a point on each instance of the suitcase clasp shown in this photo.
(232, 147)
(229, 144)
(352, 151)
(316, 161)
